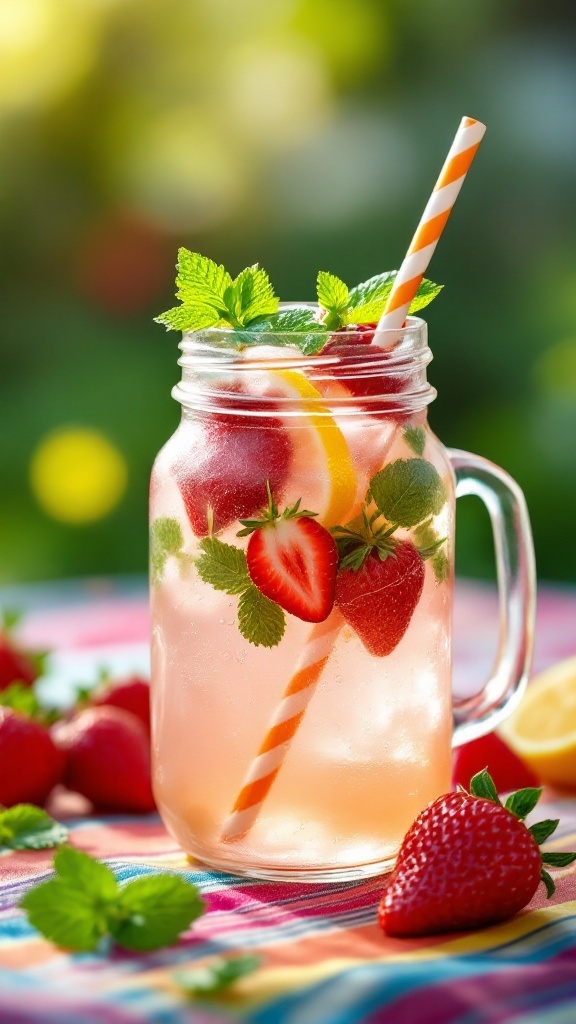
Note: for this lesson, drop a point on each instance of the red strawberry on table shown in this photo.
(16, 665)
(292, 560)
(226, 467)
(132, 694)
(467, 861)
(377, 589)
(30, 764)
(505, 767)
(108, 758)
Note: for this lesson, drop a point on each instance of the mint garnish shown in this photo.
(260, 620)
(84, 903)
(210, 298)
(26, 827)
(308, 333)
(365, 303)
(430, 545)
(408, 491)
(415, 438)
(220, 974)
(224, 567)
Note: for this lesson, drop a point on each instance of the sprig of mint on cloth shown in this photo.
(26, 827)
(217, 976)
(84, 903)
(210, 297)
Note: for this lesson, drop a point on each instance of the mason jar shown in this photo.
(302, 565)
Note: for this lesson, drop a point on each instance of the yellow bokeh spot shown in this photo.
(77, 475)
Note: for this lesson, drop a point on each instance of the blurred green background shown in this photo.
(304, 134)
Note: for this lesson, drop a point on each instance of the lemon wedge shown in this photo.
(322, 468)
(542, 730)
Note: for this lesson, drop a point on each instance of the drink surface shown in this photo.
(373, 746)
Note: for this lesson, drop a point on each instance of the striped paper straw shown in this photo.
(432, 223)
(283, 727)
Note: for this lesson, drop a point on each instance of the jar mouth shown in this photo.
(222, 371)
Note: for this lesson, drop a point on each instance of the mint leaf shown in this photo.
(153, 911)
(482, 785)
(260, 620)
(166, 539)
(408, 491)
(84, 903)
(220, 974)
(522, 802)
(558, 860)
(80, 869)
(21, 698)
(251, 295)
(223, 566)
(367, 300)
(427, 292)
(25, 827)
(332, 292)
(210, 298)
(415, 438)
(542, 830)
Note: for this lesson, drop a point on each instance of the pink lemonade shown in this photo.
(372, 746)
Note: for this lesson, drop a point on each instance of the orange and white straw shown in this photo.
(432, 223)
(282, 728)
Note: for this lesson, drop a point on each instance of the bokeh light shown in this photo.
(77, 475)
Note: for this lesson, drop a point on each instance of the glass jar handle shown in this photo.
(515, 567)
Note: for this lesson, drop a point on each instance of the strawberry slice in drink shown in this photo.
(372, 379)
(292, 560)
(227, 465)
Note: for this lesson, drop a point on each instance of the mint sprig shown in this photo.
(26, 827)
(415, 438)
(224, 567)
(84, 903)
(427, 540)
(365, 303)
(298, 327)
(211, 298)
(218, 975)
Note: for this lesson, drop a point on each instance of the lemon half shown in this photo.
(542, 730)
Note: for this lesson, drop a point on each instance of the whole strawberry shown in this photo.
(132, 694)
(379, 583)
(108, 758)
(30, 764)
(467, 861)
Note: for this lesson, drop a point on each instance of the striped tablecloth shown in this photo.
(324, 958)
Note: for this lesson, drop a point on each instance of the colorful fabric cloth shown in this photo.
(324, 958)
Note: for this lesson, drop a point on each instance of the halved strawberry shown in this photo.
(292, 560)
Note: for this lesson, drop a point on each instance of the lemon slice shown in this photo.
(542, 730)
(322, 468)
